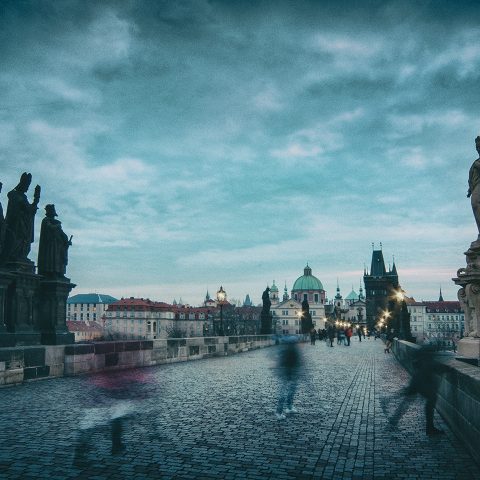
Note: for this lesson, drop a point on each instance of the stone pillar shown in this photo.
(469, 296)
(53, 294)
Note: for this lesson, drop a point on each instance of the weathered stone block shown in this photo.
(13, 376)
(34, 356)
(54, 354)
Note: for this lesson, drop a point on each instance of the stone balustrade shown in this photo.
(458, 398)
(18, 364)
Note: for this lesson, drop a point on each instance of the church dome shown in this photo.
(274, 288)
(307, 281)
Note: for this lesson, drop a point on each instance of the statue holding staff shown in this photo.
(53, 248)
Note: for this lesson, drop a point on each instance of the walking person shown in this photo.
(313, 336)
(359, 333)
(425, 381)
(348, 334)
(389, 342)
(331, 334)
(288, 367)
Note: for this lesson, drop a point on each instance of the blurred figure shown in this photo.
(313, 336)
(331, 334)
(289, 365)
(425, 381)
(112, 398)
(359, 333)
(389, 341)
(348, 334)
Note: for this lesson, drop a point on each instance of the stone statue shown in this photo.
(474, 190)
(266, 301)
(19, 221)
(2, 224)
(265, 316)
(53, 248)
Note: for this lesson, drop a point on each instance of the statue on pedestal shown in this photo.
(265, 316)
(53, 248)
(474, 191)
(2, 224)
(19, 221)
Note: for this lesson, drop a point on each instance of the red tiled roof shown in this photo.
(75, 326)
(440, 307)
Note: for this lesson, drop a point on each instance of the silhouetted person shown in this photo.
(425, 381)
(313, 336)
(288, 367)
(359, 333)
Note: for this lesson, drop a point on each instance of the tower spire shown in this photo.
(440, 298)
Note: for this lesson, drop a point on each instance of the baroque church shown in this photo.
(286, 313)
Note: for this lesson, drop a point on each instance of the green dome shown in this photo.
(307, 281)
(274, 288)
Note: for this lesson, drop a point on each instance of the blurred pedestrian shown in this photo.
(425, 380)
(313, 336)
(331, 334)
(111, 398)
(348, 334)
(359, 333)
(389, 341)
(289, 365)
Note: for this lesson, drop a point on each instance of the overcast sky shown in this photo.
(192, 144)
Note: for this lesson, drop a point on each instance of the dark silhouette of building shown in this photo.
(379, 284)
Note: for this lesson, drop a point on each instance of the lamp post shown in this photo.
(221, 297)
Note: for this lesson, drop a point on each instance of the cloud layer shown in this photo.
(192, 144)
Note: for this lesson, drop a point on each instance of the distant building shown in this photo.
(350, 309)
(88, 307)
(85, 331)
(379, 284)
(286, 314)
(441, 321)
(139, 318)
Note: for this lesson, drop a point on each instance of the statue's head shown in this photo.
(50, 211)
(477, 144)
(24, 182)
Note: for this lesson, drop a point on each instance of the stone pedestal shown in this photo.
(53, 294)
(468, 279)
(20, 305)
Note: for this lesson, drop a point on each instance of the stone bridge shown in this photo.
(215, 418)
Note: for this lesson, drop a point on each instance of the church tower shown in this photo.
(378, 286)
(274, 293)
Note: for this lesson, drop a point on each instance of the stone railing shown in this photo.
(18, 364)
(458, 398)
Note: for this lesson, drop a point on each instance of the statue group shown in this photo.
(32, 303)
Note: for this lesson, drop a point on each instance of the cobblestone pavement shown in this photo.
(215, 418)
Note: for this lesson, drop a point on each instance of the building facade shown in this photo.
(441, 322)
(85, 307)
(286, 313)
(85, 331)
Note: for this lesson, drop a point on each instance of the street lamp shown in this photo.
(221, 297)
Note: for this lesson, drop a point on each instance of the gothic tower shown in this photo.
(379, 284)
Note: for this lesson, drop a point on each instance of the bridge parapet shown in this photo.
(18, 364)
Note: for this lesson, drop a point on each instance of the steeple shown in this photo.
(307, 270)
(247, 302)
(394, 268)
(377, 268)
(440, 298)
(285, 293)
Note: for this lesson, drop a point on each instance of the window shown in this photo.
(305, 297)
(316, 298)
(81, 316)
